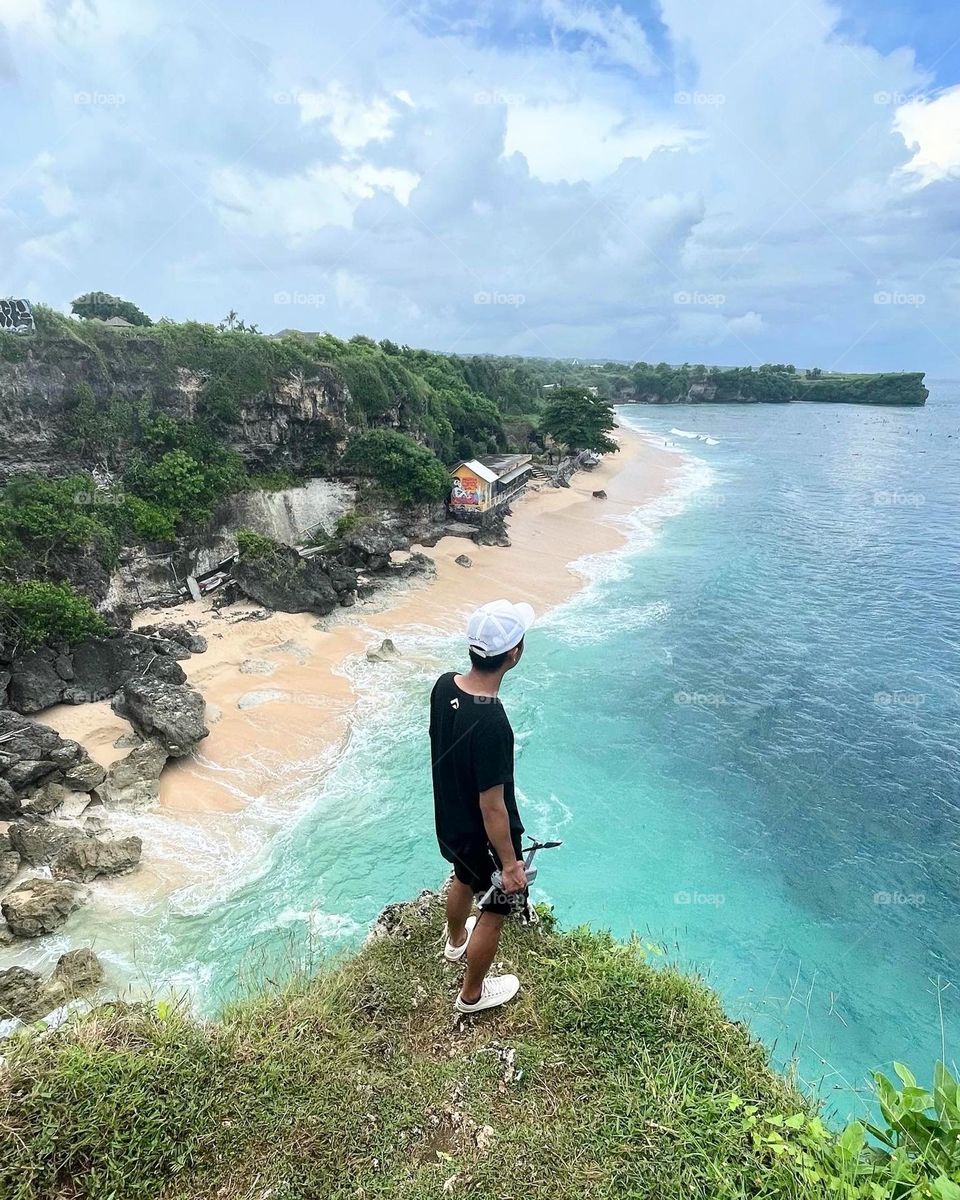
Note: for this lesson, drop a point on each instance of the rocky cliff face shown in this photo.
(283, 419)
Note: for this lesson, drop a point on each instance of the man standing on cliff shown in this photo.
(478, 825)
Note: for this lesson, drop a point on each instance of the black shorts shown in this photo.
(474, 865)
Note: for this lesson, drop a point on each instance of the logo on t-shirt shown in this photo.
(455, 702)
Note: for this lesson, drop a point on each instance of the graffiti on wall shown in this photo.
(466, 490)
(16, 316)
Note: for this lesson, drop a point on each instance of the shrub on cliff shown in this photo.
(409, 472)
(35, 612)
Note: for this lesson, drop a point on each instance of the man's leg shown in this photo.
(459, 903)
(480, 955)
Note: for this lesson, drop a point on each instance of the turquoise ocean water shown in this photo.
(745, 731)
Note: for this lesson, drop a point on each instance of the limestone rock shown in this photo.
(84, 776)
(32, 757)
(44, 800)
(135, 779)
(9, 866)
(464, 560)
(19, 993)
(34, 684)
(172, 713)
(37, 841)
(183, 634)
(24, 995)
(386, 652)
(93, 670)
(90, 856)
(76, 972)
(39, 906)
(600, 494)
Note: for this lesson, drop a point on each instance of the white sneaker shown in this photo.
(454, 953)
(494, 992)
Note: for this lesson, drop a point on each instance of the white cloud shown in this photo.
(612, 34)
(583, 139)
(294, 207)
(527, 151)
(931, 129)
(351, 121)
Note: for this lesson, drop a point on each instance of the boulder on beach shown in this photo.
(194, 642)
(134, 781)
(34, 757)
(89, 856)
(599, 494)
(463, 560)
(171, 712)
(93, 670)
(39, 906)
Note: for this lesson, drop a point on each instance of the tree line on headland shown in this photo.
(154, 423)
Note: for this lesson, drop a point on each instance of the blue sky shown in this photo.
(732, 182)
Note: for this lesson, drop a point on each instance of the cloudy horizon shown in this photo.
(731, 184)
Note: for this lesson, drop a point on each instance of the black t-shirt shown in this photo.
(471, 744)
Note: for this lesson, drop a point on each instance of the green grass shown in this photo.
(607, 1077)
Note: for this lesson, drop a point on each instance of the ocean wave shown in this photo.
(699, 437)
(321, 924)
(642, 527)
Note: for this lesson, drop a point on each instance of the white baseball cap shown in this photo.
(497, 627)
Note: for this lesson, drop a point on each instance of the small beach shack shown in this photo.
(484, 484)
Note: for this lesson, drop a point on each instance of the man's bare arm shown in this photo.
(496, 822)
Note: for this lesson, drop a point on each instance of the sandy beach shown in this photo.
(276, 691)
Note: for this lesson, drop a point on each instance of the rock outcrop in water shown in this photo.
(25, 996)
(39, 906)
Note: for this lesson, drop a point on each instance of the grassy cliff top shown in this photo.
(607, 1077)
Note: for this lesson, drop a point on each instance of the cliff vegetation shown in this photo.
(611, 1075)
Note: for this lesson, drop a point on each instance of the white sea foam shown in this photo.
(699, 437)
(321, 924)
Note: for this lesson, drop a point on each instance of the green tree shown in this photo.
(579, 420)
(35, 612)
(410, 472)
(103, 305)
